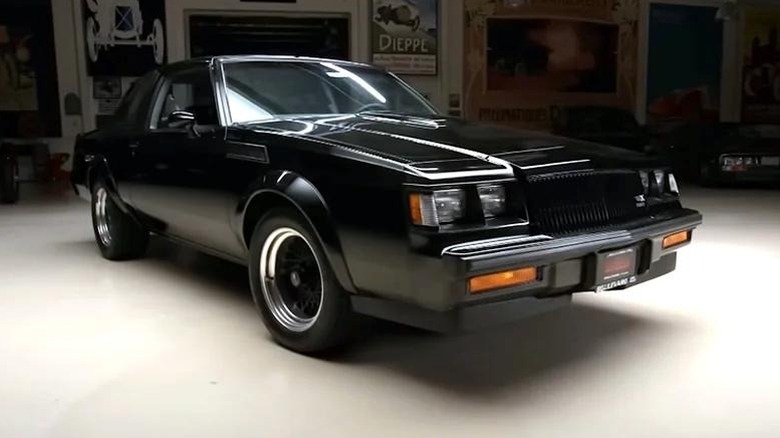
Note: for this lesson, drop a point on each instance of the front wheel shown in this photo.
(9, 186)
(293, 285)
(118, 235)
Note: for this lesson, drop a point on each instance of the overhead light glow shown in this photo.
(339, 72)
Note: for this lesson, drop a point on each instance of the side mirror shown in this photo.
(181, 119)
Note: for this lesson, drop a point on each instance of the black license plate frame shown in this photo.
(616, 268)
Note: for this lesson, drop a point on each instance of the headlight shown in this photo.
(493, 198)
(657, 182)
(437, 208)
(660, 180)
(673, 184)
(645, 178)
(733, 161)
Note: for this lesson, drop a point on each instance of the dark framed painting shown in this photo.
(29, 94)
(325, 36)
(107, 87)
(523, 55)
(124, 38)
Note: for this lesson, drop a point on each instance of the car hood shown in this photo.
(754, 146)
(450, 142)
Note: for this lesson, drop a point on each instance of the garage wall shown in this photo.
(71, 56)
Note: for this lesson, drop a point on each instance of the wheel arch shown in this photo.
(287, 189)
(99, 169)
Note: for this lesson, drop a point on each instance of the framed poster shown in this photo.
(18, 88)
(29, 95)
(520, 56)
(524, 60)
(685, 58)
(124, 37)
(761, 68)
(404, 36)
(107, 87)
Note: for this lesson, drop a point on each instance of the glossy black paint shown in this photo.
(349, 177)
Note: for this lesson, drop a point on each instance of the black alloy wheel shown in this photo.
(293, 286)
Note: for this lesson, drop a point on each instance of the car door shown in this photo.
(183, 185)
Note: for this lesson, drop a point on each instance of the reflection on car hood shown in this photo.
(437, 139)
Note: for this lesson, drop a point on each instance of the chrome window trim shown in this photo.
(217, 72)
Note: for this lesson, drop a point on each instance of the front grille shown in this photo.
(582, 201)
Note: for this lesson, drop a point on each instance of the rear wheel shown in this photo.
(9, 186)
(293, 285)
(118, 235)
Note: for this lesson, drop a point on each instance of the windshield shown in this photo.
(264, 90)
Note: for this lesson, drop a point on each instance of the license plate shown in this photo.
(616, 269)
(770, 161)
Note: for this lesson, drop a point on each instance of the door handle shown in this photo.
(134, 145)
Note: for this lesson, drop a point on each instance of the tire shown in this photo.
(293, 286)
(118, 235)
(9, 185)
(91, 32)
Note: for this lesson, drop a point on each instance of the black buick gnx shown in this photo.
(345, 193)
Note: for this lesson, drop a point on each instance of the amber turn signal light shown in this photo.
(515, 277)
(676, 239)
(415, 207)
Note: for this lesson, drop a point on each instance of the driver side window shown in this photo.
(189, 91)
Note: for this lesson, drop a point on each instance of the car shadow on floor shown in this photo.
(509, 357)
(479, 364)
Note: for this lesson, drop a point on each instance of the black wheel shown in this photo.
(293, 285)
(9, 186)
(118, 235)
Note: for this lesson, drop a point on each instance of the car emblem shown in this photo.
(641, 200)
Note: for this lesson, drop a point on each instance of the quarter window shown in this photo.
(192, 92)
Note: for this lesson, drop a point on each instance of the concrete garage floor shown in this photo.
(170, 346)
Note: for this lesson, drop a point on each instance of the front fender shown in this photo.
(288, 188)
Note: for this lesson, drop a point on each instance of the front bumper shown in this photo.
(751, 175)
(440, 301)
